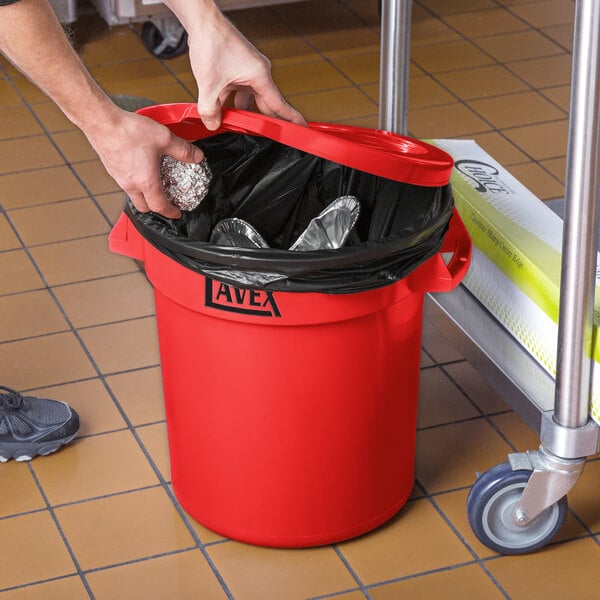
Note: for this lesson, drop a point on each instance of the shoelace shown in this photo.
(12, 399)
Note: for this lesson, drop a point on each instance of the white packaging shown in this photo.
(516, 264)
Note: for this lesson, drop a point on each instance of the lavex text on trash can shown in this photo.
(291, 378)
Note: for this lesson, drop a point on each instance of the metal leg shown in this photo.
(395, 61)
(568, 436)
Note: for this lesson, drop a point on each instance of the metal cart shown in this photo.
(519, 506)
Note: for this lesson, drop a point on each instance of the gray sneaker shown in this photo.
(31, 426)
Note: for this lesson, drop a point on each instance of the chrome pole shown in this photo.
(578, 273)
(394, 65)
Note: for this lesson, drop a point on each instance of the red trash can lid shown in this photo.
(381, 153)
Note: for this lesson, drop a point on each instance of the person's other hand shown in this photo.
(130, 148)
(224, 62)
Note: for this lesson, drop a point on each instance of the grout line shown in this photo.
(352, 572)
(57, 524)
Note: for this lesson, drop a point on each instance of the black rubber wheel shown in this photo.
(491, 503)
(152, 38)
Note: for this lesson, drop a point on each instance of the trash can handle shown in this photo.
(381, 153)
(437, 275)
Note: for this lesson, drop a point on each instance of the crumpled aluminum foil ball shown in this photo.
(185, 184)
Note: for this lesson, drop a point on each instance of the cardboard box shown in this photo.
(516, 264)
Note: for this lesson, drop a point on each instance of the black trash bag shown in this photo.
(278, 190)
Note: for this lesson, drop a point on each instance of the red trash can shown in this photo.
(291, 415)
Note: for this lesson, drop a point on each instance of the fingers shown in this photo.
(181, 150)
(154, 200)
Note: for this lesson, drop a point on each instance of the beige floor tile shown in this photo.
(286, 50)
(140, 395)
(123, 346)
(442, 7)
(476, 387)
(367, 11)
(556, 167)
(8, 95)
(430, 31)
(112, 204)
(59, 221)
(107, 300)
(449, 120)
(544, 72)
(425, 91)
(449, 456)
(113, 44)
(565, 571)
(359, 68)
(8, 239)
(370, 122)
(520, 435)
(16, 122)
(74, 145)
(23, 559)
(115, 530)
(128, 77)
(17, 273)
(40, 187)
(514, 110)
(539, 181)
(541, 141)
(308, 77)
(165, 93)
(178, 576)
(485, 22)
(416, 540)
(70, 587)
(497, 146)
(95, 466)
(456, 584)
(449, 56)
(583, 498)
(52, 117)
(154, 438)
(94, 176)
(440, 401)
(349, 41)
(334, 105)
(482, 82)
(80, 260)
(25, 154)
(43, 361)
(561, 34)
(254, 573)
(518, 46)
(96, 409)
(20, 493)
(548, 12)
(29, 314)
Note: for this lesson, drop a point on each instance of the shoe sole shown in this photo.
(25, 452)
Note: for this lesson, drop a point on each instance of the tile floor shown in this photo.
(99, 519)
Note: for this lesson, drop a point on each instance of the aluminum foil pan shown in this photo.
(237, 233)
(330, 229)
(185, 184)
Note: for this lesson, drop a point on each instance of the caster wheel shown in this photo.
(154, 42)
(491, 503)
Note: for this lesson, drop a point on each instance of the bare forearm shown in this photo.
(33, 40)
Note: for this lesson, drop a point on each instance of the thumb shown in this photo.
(183, 151)
(210, 113)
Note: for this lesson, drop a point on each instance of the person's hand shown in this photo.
(130, 148)
(224, 62)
